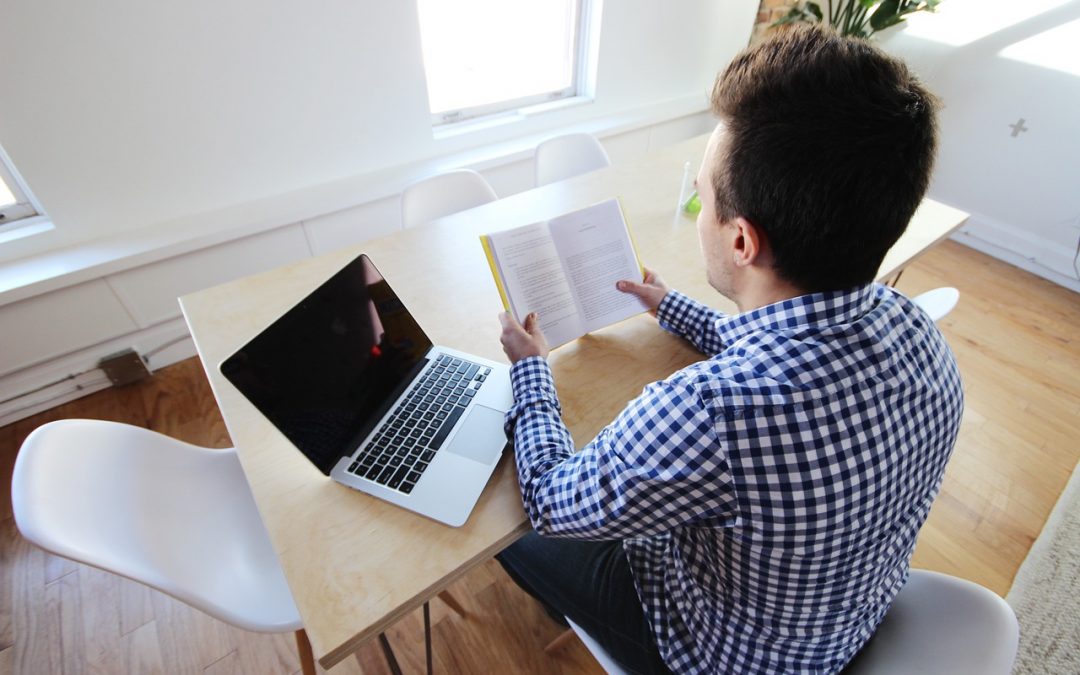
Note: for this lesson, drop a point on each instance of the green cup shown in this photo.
(693, 204)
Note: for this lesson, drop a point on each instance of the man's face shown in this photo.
(715, 237)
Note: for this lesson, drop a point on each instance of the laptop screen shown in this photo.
(326, 371)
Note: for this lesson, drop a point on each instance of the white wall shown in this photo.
(177, 147)
(123, 116)
(993, 62)
(50, 343)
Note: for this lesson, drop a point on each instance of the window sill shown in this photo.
(487, 122)
(26, 227)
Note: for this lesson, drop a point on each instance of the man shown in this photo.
(757, 510)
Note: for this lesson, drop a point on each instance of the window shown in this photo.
(484, 57)
(15, 203)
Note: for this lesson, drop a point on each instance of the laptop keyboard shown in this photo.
(403, 447)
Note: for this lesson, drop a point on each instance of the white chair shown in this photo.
(441, 195)
(598, 653)
(941, 625)
(566, 156)
(938, 302)
(173, 516)
(937, 625)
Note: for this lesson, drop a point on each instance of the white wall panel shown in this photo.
(668, 49)
(150, 292)
(353, 226)
(627, 146)
(673, 131)
(50, 384)
(59, 322)
(510, 179)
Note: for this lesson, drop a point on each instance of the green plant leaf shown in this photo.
(868, 4)
(912, 7)
(814, 9)
(885, 15)
(892, 22)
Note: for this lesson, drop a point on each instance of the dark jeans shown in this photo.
(590, 583)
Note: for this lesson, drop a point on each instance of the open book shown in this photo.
(565, 269)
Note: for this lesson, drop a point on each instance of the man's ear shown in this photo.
(749, 243)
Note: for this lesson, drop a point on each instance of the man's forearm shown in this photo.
(534, 423)
(690, 319)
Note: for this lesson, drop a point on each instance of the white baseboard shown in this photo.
(47, 385)
(1022, 248)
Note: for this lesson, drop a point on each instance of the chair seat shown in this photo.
(941, 625)
(938, 302)
(598, 652)
(174, 516)
(937, 625)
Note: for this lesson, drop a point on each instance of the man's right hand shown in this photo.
(651, 290)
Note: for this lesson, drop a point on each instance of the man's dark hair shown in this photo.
(829, 147)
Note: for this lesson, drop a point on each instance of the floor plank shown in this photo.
(142, 651)
(100, 601)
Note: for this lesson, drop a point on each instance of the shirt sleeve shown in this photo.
(658, 466)
(692, 320)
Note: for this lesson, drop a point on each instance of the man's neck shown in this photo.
(763, 291)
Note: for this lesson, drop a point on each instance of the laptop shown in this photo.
(350, 378)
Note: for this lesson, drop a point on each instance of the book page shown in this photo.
(596, 251)
(530, 268)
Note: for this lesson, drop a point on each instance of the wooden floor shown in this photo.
(1017, 339)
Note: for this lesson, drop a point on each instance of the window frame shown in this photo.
(25, 210)
(580, 40)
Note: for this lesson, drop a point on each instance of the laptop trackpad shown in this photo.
(480, 437)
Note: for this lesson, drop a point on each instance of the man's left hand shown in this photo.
(521, 342)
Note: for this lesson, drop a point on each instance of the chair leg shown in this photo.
(452, 603)
(391, 660)
(307, 659)
(559, 641)
(427, 635)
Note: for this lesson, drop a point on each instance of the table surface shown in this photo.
(356, 564)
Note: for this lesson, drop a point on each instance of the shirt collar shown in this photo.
(829, 308)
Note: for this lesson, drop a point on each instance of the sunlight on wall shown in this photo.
(1057, 49)
(5, 194)
(960, 22)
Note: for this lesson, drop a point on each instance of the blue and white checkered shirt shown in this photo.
(768, 497)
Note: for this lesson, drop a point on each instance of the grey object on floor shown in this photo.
(1046, 592)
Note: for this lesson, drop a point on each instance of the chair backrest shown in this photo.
(566, 156)
(173, 516)
(941, 625)
(443, 194)
(938, 302)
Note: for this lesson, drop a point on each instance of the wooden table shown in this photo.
(356, 564)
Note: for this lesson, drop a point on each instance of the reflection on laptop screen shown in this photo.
(327, 370)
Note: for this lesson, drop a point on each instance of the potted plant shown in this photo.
(857, 18)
